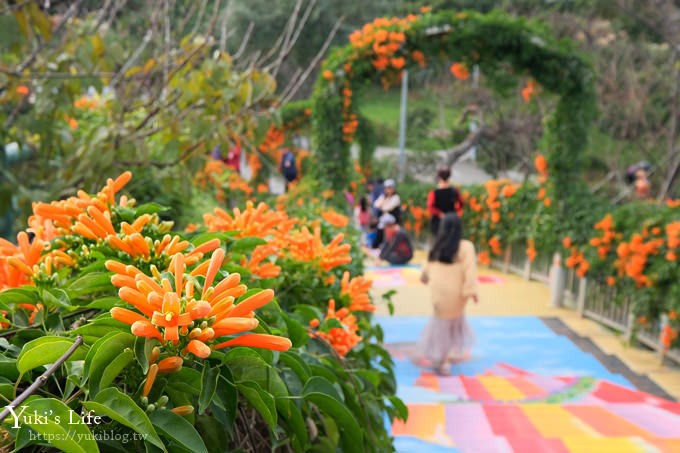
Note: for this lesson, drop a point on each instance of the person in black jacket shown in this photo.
(442, 200)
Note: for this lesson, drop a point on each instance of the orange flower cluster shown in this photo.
(253, 221)
(22, 90)
(167, 308)
(528, 90)
(460, 71)
(272, 142)
(18, 262)
(604, 243)
(304, 245)
(542, 168)
(257, 264)
(577, 261)
(85, 103)
(335, 218)
(633, 257)
(484, 258)
(531, 250)
(495, 245)
(673, 203)
(350, 123)
(344, 338)
(357, 289)
(419, 214)
(668, 335)
(50, 220)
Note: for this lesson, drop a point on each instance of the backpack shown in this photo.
(288, 167)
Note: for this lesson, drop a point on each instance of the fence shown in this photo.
(594, 300)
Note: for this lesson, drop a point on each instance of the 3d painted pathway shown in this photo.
(526, 388)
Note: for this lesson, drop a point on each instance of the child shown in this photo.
(451, 272)
(362, 216)
(397, 248)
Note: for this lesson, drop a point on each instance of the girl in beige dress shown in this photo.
(451, 272)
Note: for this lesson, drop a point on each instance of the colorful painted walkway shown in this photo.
(525, 389)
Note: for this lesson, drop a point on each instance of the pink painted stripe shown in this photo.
(547, 383)
(469, 428)
(452, 386)
(476, 390)
(653, 419)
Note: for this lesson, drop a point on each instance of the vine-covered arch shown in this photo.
(504, 48)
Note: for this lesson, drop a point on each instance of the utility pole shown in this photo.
(402, 126)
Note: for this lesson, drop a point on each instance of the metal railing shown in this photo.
(593, 299)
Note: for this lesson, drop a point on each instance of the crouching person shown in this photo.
(397, 247)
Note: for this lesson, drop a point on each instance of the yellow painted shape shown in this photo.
(500, 388)
(553, 421)
(425, 421)
(578, 444)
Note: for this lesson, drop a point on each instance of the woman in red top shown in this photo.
(442, 200)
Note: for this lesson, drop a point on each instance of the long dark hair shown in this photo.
(447, 242)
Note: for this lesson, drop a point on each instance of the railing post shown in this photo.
(527, 270)
(630, 325)
(556, 281)
(581, 298)
(661, 349)
(506, 259)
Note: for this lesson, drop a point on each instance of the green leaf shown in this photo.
(103, 352)
(205, 237)
(401, 408)
(213, 433)
(112, 371)
(246, 244)
(150, 208)
(143, 348)
(290, 415)
(23, 295)
(296, 332)
(209, 379)
(247, 365)
(178, 429)
(351, 437)
(116, 405)
(91, 283)
(55, 426)
(8, 368)
(55, 297)
(186, 380)
(99, 328)
(262, 401)
(297, 364)
(318, 384)
(106, 303)
(44, 350)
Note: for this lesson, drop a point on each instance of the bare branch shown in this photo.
(187, 16)
(137, 53)
(223, 29)
(65, 18)
(199, 18)
(315, 61)
(471, 140)
(102, 15)
(117, 6)
(244, 41)
(290, 42)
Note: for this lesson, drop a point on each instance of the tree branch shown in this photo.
(471, 140)
(315, 61)
(42, 379)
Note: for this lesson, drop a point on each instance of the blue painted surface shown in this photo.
(407, 444)
(523, 341)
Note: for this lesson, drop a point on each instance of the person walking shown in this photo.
(451, 273)
(289, 167)
(442, 200)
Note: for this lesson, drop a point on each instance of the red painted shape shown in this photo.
(476, 390)
(614, 393)
(510, 422)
